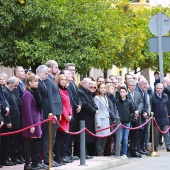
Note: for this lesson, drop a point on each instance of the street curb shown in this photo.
(97, 163)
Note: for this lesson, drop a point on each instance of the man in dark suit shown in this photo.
(87, 113)
(42, 73)
(20, 74)
(143, 116)
(137, 102)
(75, 101)
(5, 115)
(55, 105)
(165, 83)
(11, 143)
(159, 108)
(76, 104)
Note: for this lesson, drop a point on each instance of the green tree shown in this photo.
(90, 33)
(67, 31)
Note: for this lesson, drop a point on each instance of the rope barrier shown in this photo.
(85, 129)
(138, 127)
(160, 129)
(103, 136)
(71, 133)
(24, 129)
(106, 128)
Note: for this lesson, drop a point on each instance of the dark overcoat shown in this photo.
(159, 109)
(14, 114)
(87, 114)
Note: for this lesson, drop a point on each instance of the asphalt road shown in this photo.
(161, 162)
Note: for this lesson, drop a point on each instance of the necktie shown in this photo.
(23, 85)
(160, 96)
(132, 95)
(44, 84)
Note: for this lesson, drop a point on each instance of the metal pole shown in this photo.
(50, 142)
(153, 153)
(117, 143)
(82, 143)
(160, 46)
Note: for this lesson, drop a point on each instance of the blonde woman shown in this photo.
(31, 114)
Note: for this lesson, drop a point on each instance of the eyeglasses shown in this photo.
(108, 82)
(93, 87)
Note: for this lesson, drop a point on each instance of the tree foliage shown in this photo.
(90, 33)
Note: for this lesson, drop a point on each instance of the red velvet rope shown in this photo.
(24, 129)
(72, 133)
(84, 129)
(160, 129)
(106, 128)
(103, 136)
(138, 126)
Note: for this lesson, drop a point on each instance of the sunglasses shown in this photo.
(93, 87)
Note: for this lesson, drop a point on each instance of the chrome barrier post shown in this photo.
(153, 153)
(82, 143)
(117, 134)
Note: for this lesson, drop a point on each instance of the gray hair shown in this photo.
(11, 80)
(41, 68)
(50, 63)
(159, 84)
(69, 64)
(131, 81)
(143, 80)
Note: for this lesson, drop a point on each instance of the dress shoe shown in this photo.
(17, 161)
(60, 162)
(40, 165)
(54, 164)
(74, 157)
(65, 160)
(141, 151)
(89, 157)
(136, 155)
(6, 163)
(1, 166)
(21, 159)
(168, 149)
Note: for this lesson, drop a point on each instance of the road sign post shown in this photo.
(159, 25)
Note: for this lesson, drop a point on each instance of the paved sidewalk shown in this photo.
(111, 162)
(97, 163)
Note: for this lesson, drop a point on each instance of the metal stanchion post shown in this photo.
(153, 153)
(50, 142)
(82, 144)
(117, 148)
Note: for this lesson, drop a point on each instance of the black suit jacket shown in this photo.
(55, 103)
(19, 93)
(145, 104)
(44, 96)
(87, 114)
(74, 98)
(14, 113)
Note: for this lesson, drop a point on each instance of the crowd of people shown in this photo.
(27, 98)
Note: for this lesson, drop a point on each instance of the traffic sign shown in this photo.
(161, 20)
(154, 45)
